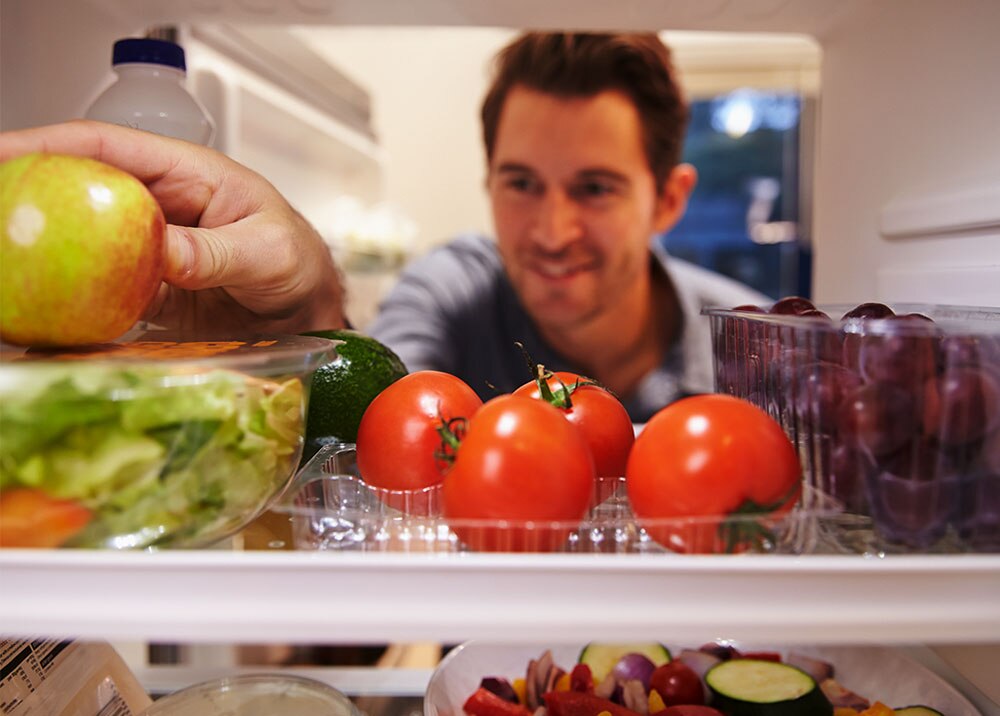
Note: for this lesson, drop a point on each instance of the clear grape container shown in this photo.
(894, 410)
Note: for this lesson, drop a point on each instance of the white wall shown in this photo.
(54, 58)
(426, 85)
(910, 109)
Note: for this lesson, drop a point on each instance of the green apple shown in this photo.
(81, 250)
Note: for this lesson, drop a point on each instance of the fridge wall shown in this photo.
(908, 167)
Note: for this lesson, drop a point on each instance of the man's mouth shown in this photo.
(559, 270)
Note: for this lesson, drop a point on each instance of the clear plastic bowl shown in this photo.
(163, 440)
(896, 418)
(255, 695)
(331, 508)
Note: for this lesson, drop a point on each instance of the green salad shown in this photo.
(157, 458)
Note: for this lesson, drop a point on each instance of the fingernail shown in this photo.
(180, 254)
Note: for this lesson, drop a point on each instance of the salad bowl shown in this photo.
(164, 440)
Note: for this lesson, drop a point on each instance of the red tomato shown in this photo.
(32, 518)
(688, 710)
(706, 457)
(575, 703)
(486, 703)
(761, 655)
(677, 683)
(519, 460)
(601, 417)
(398, 441)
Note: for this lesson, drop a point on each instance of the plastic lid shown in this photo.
(254, 695)
(148, 51)
(176, 352)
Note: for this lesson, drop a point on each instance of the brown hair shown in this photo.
(585, 64)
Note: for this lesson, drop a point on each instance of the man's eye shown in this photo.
(593, 190)
(522, 184)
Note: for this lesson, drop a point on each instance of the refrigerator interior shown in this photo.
(906, 208)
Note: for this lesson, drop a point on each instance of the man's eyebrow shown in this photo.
(584, 174)
(602, 173)
(514, 167)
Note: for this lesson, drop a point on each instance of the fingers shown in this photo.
(256, 255)
(202, 258)
(183, 177)
(145, 155)
(181, 251)
(230, 230)
(275, 267)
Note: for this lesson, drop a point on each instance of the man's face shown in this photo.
(574, 203)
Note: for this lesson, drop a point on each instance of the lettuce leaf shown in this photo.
(161, 459)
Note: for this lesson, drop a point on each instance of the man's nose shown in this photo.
(558, 222)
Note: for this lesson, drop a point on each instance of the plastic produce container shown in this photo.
(162, 441)
(896, 416)
(331, 508)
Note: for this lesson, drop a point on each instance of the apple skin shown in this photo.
(81, 250)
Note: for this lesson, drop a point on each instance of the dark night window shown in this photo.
(747, 217)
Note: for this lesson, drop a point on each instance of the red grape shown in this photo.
(820, 392)
(872, 309)
(879, 416)
(962, 405)
(792, 306)
(978, 520)
(849, 467)
(914, 513)
(906, 358)
(677, 683)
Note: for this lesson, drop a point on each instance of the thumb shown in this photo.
(196, 258)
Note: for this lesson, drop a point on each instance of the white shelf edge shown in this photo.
(946, 212)
(324, 597)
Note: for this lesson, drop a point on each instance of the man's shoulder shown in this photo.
(468, 251)
(710, 287)
(463, 272)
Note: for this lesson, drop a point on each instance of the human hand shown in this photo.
(238, 256)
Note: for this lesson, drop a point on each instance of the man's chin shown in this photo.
(557, 316)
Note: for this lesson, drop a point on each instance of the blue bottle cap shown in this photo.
(148, 51)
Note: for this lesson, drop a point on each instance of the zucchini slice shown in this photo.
(917, 711)
(756, 687)
(601, 658)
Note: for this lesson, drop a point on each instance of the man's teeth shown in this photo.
(556, 271)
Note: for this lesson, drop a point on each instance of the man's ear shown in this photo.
(672, 201)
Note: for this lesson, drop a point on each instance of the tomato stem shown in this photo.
(751, 532)
(451, 433)
(560, 398)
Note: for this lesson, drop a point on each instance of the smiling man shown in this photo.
(583, 136)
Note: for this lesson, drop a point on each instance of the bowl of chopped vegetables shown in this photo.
(715, 678)
(163, 440)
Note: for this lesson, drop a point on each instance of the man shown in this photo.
(583, 136)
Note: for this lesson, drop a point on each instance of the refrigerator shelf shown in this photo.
(328, 597)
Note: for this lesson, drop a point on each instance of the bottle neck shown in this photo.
(135, 69)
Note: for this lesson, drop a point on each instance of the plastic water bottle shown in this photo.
(150, 93)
